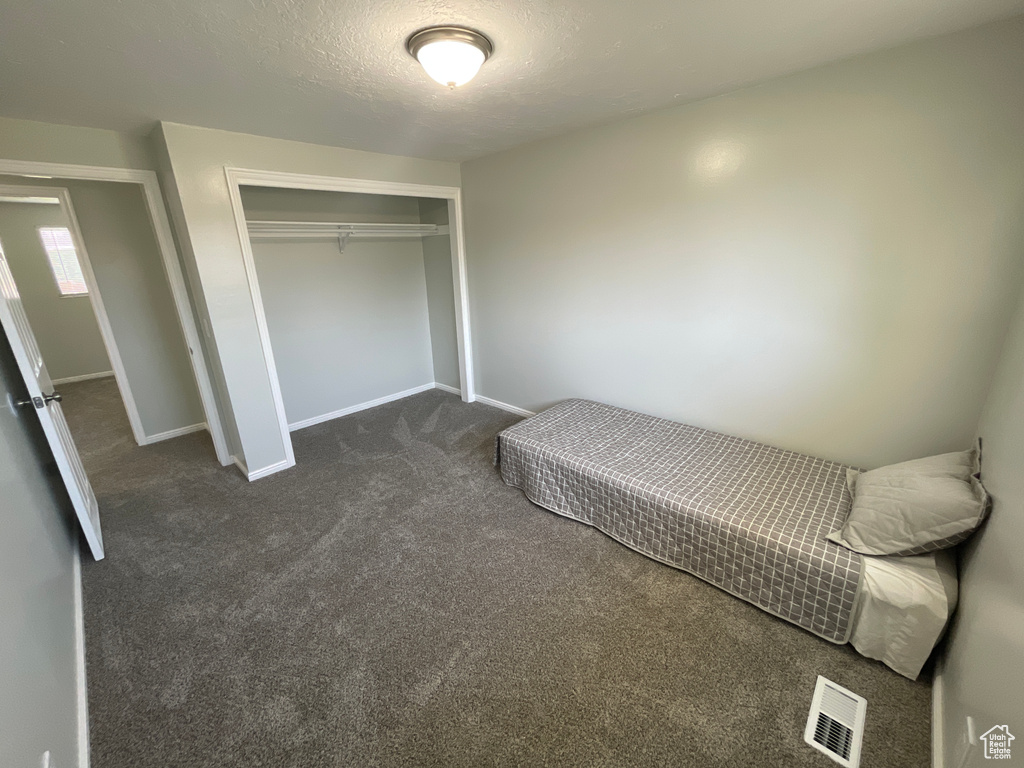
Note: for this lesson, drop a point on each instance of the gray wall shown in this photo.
(65, 326)
(984, 673)
(50, 143)
(38, 694)
(274, 204)
(197, 299)
(346, 328)
(825, 262)
(129, 270)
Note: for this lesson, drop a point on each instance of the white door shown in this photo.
(47, 406)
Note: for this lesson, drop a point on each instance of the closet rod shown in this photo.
(267, 229)
(342, 231)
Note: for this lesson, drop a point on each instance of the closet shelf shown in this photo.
(267, 230)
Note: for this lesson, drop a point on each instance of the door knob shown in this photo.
(42, 402)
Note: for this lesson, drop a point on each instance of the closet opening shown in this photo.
(359, 293)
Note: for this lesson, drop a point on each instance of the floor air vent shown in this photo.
(836, 723)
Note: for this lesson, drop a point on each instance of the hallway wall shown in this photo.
(65, 326)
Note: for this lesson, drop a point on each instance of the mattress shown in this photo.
(745, 516)
(903, 609)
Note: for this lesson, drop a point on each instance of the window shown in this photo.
(60, 250)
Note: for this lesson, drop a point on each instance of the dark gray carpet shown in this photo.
(390, 602)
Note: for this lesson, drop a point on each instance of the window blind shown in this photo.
(60, 250)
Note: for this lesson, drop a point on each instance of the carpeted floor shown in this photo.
(390, 602)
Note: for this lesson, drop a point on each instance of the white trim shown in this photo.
(251, 177)
(447, 388)
(269, 470)
(257, 474)
(286, 180)
(72, 171)
(162, 231)
(504, 406)
(83, 377)
(463, 335)
(82, 694)
(175, 433)
(261, 316)
(297, 425)
(938, 715)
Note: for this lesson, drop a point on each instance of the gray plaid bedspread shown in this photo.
(744, 516)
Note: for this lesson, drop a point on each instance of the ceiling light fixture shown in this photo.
(450, 55)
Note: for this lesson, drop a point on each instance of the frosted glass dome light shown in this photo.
(450, 55)
(451, 62)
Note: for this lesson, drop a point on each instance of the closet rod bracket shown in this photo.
(343, 241)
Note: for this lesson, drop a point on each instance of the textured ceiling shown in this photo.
(335, 71)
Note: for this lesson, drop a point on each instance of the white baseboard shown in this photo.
(269, 470)
(150, 439)
(241, 465)
(83, 377)
(504, 406)
(80, 684)
(938, 705)
(447, 388)
(361, 407)
(263, 471)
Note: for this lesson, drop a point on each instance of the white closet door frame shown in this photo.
(169, 256)
(237, 177)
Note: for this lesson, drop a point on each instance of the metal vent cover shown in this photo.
(835, 724)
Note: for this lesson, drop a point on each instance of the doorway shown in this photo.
(50, 265)
(86, 294)
(162, 355)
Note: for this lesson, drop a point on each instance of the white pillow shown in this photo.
(915, 507)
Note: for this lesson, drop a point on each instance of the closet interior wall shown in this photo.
(437, 266)
(356, 322)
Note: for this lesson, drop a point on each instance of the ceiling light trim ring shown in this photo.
(419, 39)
